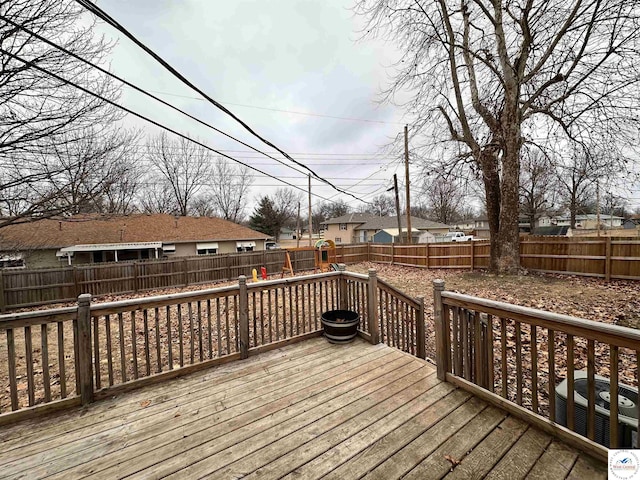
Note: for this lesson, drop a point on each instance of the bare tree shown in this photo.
(489, 76)
(95, 172)
(183, 166)
(381, 205)
(444, 197)
(229, 190)
(38, 111)
(577, 178)
(153, 198)
(537, 185)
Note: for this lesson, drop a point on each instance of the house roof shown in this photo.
(97, 229)
(382, 223)
(351, 218)
(394, 231)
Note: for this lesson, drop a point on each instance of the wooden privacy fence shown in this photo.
(515, 357)
(57, 358)
(605, 257)
(24, 288)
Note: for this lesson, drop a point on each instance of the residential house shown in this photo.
(105, 238)
(360, 228)
(585, 222)
(287, 234)
(478, 227)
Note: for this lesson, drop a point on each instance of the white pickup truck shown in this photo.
(457, 237)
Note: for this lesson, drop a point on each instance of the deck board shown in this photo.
(307, 410)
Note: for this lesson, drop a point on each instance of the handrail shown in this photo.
(619, 335)
(405, 298)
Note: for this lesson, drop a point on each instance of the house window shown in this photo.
(343, 226)
(245, 246)
(338, 240)
(207, 251)
(206, 248)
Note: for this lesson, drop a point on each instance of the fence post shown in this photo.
(420, 330)
(244, 316)
(427, 254)
(76, 283)
(84, 368)
(3, 301)
(472, 255)
(185, 270)
(607, 261)
(342, 300)
(372, 307)
(441, 355)
(136, 277)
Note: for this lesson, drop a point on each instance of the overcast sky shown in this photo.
(253, 56)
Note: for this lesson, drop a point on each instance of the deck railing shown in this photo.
(515, 357)
(58, 358)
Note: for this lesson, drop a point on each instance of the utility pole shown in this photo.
(406, 174)
(310, 221)
(298, 228)
(395, 188)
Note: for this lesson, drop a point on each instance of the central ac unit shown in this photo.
(627, 409)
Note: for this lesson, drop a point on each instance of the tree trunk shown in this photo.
(491, 178)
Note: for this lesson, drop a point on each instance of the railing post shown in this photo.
(441, 355)
(342, 298)
(420, 331)
(372, 314)
(84, 368)
(3, 301)
(244, 316)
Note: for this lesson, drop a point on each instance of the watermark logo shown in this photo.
(624, 464)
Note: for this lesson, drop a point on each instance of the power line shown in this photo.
(157, 124)
(97, 11)
(282, 111)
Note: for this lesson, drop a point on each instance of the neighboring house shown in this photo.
(102, 238)
(391, 235)
(287, 234)
(585, 222)
(360, 228)
(478, 227)
(554, 230)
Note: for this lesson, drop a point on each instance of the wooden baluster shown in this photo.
(134, 345)
(552, 375)
(591, 391)
(61, 361)
(613, 395)
(200, 344)
(262, 322)
(192, 349)
(490, 357)
(236, 322)
(277, 310)
(147, 350)
(518, 363)
(466, 368)
(301, 311)
(209, 330)
(291, 315)
(169, 337)
(637, 385)
(46, 379)
(76, 354)
(478, 357)
(107, 324)
(96, 353)
(123, 357)
(570, 383)
(315, 306)
(503, 365)
(13, 387)
(254, 318)
(269, 308)
(181, 335)
(381, 321)
(457, 358)
(158, 346)
(534, 368)
(219, 326)
(243, 317)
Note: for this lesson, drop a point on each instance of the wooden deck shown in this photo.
(308, 410)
